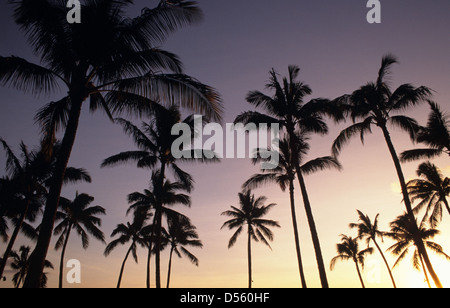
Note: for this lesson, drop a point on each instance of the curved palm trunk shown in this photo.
(297, 239)
(158, 217)
(425, 272)
(61, 263)
(406, 199)
(36, 269)
(122, 268)
(149, 256)
(385, 262)
(170, 268)
(359, 273)
(249, 250)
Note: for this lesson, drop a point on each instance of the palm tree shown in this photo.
(21, 263)
(432, 191)
(407, 236)
(119, 71)
(158, 199)
(130, 232)
(181, 234)
(79, 216)
(26, 188)
(374, 104)
(348, 249)
(370, 231)
(436, 135)
(250, 212)
(288, 109)
(284, 176)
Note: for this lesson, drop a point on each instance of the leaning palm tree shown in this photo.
(110, 60)
(284, 175)
(348, 249)
(436, 135)
(432, 190)
(407, 236)
(288, 109)
(370, 231)
(375, 104)
(180, 235)
(79, 216)
(21, 263)
(250, 212)
(128, 233)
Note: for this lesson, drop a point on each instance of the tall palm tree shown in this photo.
(128, 233)
(370, 231)
(250, 212)
(181, 234)
(432, 190)
(26, 188)
(288, 109)
(21, 264)
(79, 216)
(120, 70)
(436, 135)
(348, 249)
(284, 175)
(407, 236)
(374, 104)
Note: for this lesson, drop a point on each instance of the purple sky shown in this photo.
(233, 50)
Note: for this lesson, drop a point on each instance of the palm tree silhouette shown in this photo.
(407, 236)
(284, 176)
(348, 249)
(374, 104)
(119, 71)
(436, 135)
(432, 190)
(134, 233)
(181, 234)
(288, 109)
(21, 263)
(370, 231)
(79, 216)
(250, 212)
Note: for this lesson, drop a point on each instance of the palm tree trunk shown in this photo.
(249, 249)
(119, 282)
(149, 256)
(170, 268)
(385, 262)
(446, 204)
(33, 279)
(359, 274)
(297, 239)
(401, 177)
(158, 217)
(425, 271)
(61, 264)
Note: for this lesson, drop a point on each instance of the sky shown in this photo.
(233, 49)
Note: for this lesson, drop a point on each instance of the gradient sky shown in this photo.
(233, 50)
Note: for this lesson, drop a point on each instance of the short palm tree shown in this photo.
(133, 233)
(284, 175)
(21, 263)
(406, 235)
(79, 216)
(369, 231)
(432, 191)
(348, 249)
(110, 60)
(180, 235)
(250, 212)
(436, 135)
(375, 104)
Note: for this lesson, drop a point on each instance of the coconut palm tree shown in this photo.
(21, 263)
(407, 236)
(250, 212)
(436, 135)
(180, 235)
(369, 231)
(134, 233)
(348, 249)
(432, 191)
(288, 109)
(77, 215)
(284, 175)
(375, 104)
(109, 59)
